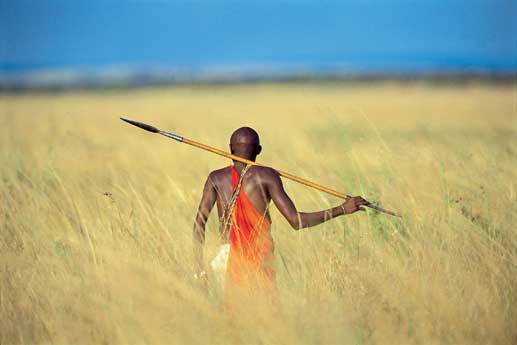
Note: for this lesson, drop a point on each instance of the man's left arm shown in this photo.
(198, 234)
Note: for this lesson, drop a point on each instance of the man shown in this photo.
(242, 194)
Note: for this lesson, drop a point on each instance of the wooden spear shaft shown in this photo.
(246, 161)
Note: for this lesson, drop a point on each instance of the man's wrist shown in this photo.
(343, 209)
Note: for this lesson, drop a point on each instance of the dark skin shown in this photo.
(261, 185)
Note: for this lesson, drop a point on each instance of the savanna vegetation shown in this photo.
(96, 215)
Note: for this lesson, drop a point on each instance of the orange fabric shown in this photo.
(251, 261)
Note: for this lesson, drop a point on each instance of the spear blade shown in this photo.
(142, 125)
(152, 129)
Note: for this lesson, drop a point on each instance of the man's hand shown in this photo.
(354, 204)
(202, 280)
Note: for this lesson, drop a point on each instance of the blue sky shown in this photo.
(359, 35)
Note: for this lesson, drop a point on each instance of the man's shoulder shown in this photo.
(218, 173)
(265, 172)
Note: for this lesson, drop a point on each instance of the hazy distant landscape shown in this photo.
(129, 78)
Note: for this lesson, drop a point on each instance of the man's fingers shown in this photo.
(359, 201)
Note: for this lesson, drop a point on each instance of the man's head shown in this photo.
(245, 143)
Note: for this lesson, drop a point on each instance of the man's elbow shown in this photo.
(295, 223)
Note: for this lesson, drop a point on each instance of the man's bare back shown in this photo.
(254, 185)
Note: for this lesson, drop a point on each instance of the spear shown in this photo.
(246, 161)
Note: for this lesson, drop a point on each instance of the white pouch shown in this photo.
(218, 265)
(220, 261)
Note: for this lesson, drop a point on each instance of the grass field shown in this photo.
(96, 215)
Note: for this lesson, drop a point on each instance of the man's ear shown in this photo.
(231, 149)
(259, 149)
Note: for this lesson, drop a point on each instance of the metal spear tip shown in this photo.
(141, 125)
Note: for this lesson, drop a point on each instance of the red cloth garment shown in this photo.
(250, 267)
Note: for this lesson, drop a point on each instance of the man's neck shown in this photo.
(239, 166)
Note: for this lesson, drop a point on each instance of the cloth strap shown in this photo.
(230, 207)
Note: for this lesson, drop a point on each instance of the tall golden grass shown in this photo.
(96, 215)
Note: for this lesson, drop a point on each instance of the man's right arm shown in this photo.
(300, 220)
